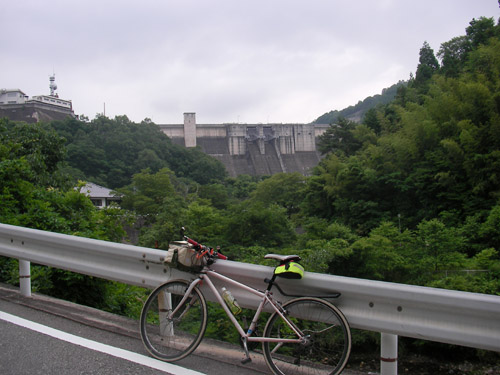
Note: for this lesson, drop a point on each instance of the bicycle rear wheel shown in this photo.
(327, 343)
(173, 339)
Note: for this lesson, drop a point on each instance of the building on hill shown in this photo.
(12, 96)
(17, 106)
(100, 196)
(253, 149)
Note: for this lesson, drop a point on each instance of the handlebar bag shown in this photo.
(183, 256)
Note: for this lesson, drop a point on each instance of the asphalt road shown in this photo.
(34, 340)
(43, 335)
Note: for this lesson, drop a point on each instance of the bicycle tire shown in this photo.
(328, 344)
(173, 339)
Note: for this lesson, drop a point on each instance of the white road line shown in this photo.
(97, 346)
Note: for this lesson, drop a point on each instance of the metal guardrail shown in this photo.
(461, 318)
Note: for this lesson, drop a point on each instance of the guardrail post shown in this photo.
(25, 278)
(388, 354)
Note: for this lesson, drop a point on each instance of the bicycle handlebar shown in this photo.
(221, 256)
(192, 242)
(209, 250)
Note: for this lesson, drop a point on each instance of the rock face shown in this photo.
(253, 149)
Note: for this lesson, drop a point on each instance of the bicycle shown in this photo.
(303, 335)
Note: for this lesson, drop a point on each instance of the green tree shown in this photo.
(196, 165)
(241, 186)
(318, 228)
(441, 247)
(216, 193)
(481, 276)
(354, 192)
(372, 120)
(480, 31)
(164, 227)
(317, 202)
(427, 65)
(490, 229)
(484, 64)
(339, 138)
(205, 223)
(259, 225)
(147, 192)
(453, 55)
(39, 146)
(383, 254)
(284, 189)
(324, 242)
(149, 159)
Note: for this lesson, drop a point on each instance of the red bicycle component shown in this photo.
(204, 249)
(192, 242)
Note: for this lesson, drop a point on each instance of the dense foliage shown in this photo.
(35, 193)
(109, 152)
(419, 180)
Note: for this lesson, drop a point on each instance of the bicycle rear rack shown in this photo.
(325, 296)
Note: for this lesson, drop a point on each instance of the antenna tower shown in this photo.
(53, 86)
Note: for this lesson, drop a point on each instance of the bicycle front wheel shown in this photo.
(326, 345)
(172, 338)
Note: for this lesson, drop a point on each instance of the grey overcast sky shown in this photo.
(247, 61)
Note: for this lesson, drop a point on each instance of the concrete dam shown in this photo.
(253, 149)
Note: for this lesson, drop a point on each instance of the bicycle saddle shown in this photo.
(283, 258)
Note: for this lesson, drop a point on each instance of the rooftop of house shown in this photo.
(97, 191)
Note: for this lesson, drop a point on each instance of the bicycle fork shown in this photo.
(167, 314)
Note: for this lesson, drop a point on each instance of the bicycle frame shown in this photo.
(266, 299)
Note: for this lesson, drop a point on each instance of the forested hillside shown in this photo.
(35, 193)
(110, 151)
(410, 195)
(427, 163)
(357, 112)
